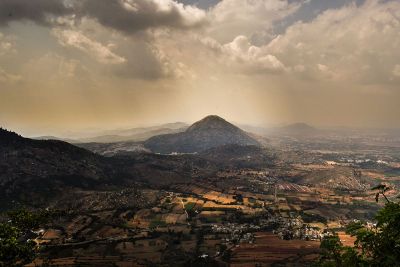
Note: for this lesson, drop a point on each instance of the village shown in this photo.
(209, 219)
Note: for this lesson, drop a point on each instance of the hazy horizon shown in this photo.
(70, 66)
(97, 131)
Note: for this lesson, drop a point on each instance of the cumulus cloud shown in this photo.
(130, 16)
(39, 11)
(354, 42)
(240, 56)
(250, 58)
(357, 43)
(98, 51)
(88, 26)
(252, 18)
(128, 57)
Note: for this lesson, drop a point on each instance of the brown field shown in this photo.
(173, 218)
(109, 231)
(219, 197)
(346, 239)
(141, 219)
(78, 224)
(189, 245)
(269, 248)
(85, 261)
(374, 175)
(149, 249)
(328, 213)
(90, 261)
(207, 213)
(210, 204)
(51, 234)
(175, 228)
(198, 202)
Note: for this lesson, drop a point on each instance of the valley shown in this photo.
(221, 203)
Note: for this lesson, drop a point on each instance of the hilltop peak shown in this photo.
(211, 122)
(7, 136)
(212, 118)
(211, 131)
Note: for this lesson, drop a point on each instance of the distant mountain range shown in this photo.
(144, 133)
(140, 136)
(212, 131)
(51, 137)
(124, 135)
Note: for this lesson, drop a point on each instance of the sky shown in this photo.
(74, 66)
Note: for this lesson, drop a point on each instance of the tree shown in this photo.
(377, 245)
(16, 246)
(382, 190)
(334, 254)
(13, 251)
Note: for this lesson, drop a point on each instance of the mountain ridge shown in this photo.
(211, 131)
(41, 170)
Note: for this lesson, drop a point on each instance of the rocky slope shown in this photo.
(41, 168)
(35, 171)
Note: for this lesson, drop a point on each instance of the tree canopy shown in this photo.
(375, 245)
(16, 246)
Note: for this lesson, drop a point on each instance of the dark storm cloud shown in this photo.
(34, 10)
(132, 16)
(128, 16)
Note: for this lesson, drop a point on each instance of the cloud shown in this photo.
(352, 43)
(130, 16)
(239, 30)
(133, 57)
(6, 45)
(9, 78)
(148, 61)
(250, 58)
(39, 11)
(251, 18)
(396, 70)
(241, 57)
(98, 51)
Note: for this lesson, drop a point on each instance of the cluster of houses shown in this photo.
(236, 233)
